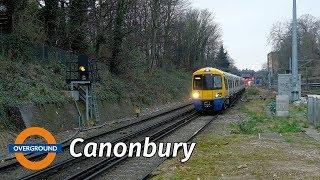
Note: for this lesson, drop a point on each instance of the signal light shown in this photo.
(6, 13)
(83, 67)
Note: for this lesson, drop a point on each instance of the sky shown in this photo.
(246, 25)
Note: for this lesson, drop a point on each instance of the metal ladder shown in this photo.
(94, 103)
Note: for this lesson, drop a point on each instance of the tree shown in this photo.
(115, 60)
(76, 28)
(308, 40)
(50, 15)
(122, 34)
(222, 61)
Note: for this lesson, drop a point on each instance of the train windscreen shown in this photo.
(207, 82)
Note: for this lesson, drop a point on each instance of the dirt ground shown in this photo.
(222, 154)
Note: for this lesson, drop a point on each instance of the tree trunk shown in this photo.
(167, 62)
(50, 16)
(115, 60)
(154, 31)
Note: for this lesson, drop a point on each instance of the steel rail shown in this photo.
(107, 164)
(65, 145)
(62, 164)
(147, 175)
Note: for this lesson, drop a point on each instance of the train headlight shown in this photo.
(218, 95)
(82, 68)
(196, 95)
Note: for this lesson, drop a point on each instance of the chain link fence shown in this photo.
(34, 51)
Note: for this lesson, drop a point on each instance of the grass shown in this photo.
(244, 155)
(259, 121)
(42, 83)
(315, 90)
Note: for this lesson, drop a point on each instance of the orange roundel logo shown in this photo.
(19, 148)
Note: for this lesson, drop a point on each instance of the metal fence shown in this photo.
(35, 51)
(45, 52)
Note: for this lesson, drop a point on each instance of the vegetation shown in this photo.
(245, 157)
(22, 83)
(146, 49)
(243, 154)
(315, 90)
(259, 120)
(308, 46)
(162, 34)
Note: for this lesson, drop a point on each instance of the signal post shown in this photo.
(81, 76)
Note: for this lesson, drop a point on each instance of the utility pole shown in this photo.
(269, 75)
(295, 78)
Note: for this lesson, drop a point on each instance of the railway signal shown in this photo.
(5, 16)
(81, 75)
(83, 67)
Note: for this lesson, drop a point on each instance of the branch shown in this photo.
(39, 3)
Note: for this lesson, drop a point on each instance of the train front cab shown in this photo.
(208, 92)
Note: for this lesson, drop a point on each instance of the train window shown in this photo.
(197, 82)
(217, 82)
(226, 83)
(207, 82)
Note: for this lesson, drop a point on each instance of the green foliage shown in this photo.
(285, 126)
(27, 26)
(250, 126)
(252, 91)
(272, 106)
(223, 61)
(258, 121)
(246, 127)
(76, 26)
(23, 82)
(142, 88)
(315, 91)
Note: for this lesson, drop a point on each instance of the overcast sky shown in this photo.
(246, 25)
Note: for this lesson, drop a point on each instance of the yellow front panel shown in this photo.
(207, 95)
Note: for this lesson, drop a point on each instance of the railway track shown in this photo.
(148, 174)
(107, 164)
(125, 132)
(62, 169)
(89, 168)
(65, 145)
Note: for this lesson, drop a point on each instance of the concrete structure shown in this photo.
(314, 109)
(285, 85)
(282, 105)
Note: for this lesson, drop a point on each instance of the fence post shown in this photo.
(42, 51)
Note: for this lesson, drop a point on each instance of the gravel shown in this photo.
(138, 167)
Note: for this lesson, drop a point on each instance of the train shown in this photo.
(214, 90)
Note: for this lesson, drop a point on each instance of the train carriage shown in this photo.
(214, 90)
